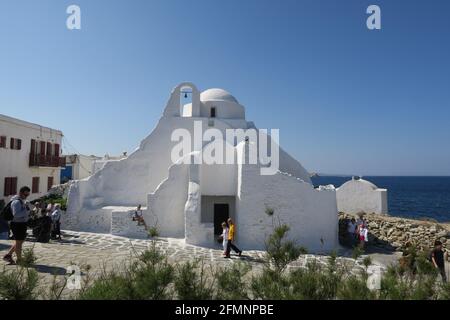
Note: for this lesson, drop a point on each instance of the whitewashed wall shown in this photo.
(310, 214)
(356, 196)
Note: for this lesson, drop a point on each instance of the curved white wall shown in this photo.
(357, 196)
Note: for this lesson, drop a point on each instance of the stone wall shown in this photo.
(394, 233)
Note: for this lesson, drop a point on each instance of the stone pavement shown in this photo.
(105, 251)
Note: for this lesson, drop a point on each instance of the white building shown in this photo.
(189, 201)
(361, 196)
(30, 155)
(79, 166)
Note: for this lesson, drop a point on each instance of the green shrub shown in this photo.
(270, 285)
(28, 258)
(444, 293)
(110, 286)
(53, 199)
(357, 252)
(355, 288)
(153, 232)
(192, 282)
(280, 252)
(230, 282)
(147, 278)
(18, 284)
(269, 211)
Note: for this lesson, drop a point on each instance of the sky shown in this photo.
(347, 100)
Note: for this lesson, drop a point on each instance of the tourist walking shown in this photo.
(437, 257)
(224, 237)
(351, 232)
(230, 244)
(56, 224)
(20, 212)
(363, 235)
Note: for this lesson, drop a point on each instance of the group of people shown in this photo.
(227, 237)
(43, 218)
(357, 232)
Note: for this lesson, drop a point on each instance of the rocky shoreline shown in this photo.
(393, 233)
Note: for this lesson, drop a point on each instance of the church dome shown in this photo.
(217, 95)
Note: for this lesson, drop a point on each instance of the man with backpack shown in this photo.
(17, 212)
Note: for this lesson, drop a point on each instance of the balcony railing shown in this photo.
(39, 160)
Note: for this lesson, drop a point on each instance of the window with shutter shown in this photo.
(15, 144)
(33, 146)
(49, 183)
(13, 186)
(42, 148)
(49, 149)
(10, 186)
(35, 187)
(7, 188)
(57, 149)
(2, 142)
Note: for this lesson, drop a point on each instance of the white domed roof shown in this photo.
(362, 182)
(217, 95)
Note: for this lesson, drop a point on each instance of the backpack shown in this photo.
(7, 213)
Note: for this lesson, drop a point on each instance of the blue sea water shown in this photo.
(408, 197)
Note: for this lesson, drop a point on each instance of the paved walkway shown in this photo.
(104, 251)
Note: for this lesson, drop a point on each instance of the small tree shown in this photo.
(18, 284)
(280, 252)
(192, 282)
(230, 282)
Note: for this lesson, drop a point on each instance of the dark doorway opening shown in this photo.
(221, 214)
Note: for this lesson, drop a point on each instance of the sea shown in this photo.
(408, 197)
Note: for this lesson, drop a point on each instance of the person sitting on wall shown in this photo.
(230, 244)
(138, 216)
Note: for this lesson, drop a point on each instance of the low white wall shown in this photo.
(122, 224)
(356, 196)
(310, 214)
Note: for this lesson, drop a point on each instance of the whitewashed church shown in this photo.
(190, 200)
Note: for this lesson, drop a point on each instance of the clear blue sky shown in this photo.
(346, 99)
